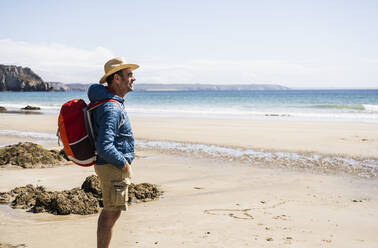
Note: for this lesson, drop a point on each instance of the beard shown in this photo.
(130, 86)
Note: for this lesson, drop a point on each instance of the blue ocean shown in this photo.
(303, 105)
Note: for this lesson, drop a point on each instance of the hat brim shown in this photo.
(118, 68)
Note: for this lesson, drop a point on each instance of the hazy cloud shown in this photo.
(304, 73)
(60, 62)
(56, 62)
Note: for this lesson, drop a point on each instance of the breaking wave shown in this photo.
(366, 107)
(340, 106)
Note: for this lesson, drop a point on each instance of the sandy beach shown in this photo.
(211, 202)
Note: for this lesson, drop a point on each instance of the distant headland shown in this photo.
(18, 78)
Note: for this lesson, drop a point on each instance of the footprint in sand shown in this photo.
(233, 213)
(281, 217)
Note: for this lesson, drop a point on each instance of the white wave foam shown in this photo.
(371, 107)
(364, 168)
(209, 149)
(266, 114)
(370, 114)
(45, 108)
(26, 134)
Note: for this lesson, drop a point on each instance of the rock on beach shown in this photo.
(82, 201)
(29, 107)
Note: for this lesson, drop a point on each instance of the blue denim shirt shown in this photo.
(112, 130)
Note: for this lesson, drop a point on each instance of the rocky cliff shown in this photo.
(17, 78)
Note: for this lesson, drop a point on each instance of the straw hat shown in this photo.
(114, 65)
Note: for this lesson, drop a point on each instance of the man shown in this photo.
(114, 143)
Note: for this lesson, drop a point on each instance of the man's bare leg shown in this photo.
(105, 224)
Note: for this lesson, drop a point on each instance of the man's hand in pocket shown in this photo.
(127, 169)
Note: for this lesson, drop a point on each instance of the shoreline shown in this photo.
(329, 138)
(345, 149)
(269, 116)
(317, 112)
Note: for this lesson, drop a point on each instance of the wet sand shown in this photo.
(209, 202)
(351, 139)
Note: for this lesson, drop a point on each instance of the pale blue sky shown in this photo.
(308, 44)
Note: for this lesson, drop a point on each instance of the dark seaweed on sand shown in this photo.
(30, 155)
(83, 201)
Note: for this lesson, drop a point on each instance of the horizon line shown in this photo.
(243, 84)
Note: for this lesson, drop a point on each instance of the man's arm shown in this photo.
(109, 122)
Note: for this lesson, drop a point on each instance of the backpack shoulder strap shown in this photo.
(92, 106)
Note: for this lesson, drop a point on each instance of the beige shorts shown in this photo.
(114, 185)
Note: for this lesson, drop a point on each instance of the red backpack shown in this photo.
(76, 132)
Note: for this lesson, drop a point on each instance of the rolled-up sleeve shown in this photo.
(109, 122)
